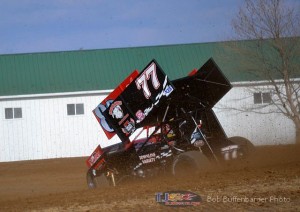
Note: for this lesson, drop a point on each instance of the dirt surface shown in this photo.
(269, 180)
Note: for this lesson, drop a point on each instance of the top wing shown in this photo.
(207, 85)
(127, 108)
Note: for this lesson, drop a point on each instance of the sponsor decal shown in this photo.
(115, 110)
(99, 113)
(178, 198)
(140, 115)
(128, 127)
(166, 91)
(100, 110)
(126, 123)
(164, 154)
(95, 156)
(123, 119)
(148, 158)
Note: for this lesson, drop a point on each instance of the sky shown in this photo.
(28, 26)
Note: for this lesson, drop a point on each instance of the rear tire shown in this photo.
(246, 145)
(96, 181)
(190, 163)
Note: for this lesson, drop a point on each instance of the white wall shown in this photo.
(46, 131)
(266, 128)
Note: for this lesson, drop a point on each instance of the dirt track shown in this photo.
(270, 181)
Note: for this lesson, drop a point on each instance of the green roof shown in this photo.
(86, 70)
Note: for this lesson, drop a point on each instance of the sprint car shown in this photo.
(164, 126)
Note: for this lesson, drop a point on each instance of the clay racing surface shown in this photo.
(270, 180)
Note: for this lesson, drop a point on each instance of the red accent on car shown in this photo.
(94, 158)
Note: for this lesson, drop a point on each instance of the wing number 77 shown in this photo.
(141, 81)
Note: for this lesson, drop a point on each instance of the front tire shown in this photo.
(190, 163)
(96, 181)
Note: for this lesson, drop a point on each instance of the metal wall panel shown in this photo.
(262, 128)
(46, 131)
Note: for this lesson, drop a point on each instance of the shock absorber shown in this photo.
(111, 174)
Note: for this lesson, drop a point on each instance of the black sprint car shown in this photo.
(164, 126)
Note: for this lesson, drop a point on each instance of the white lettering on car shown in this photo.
(141, 82)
